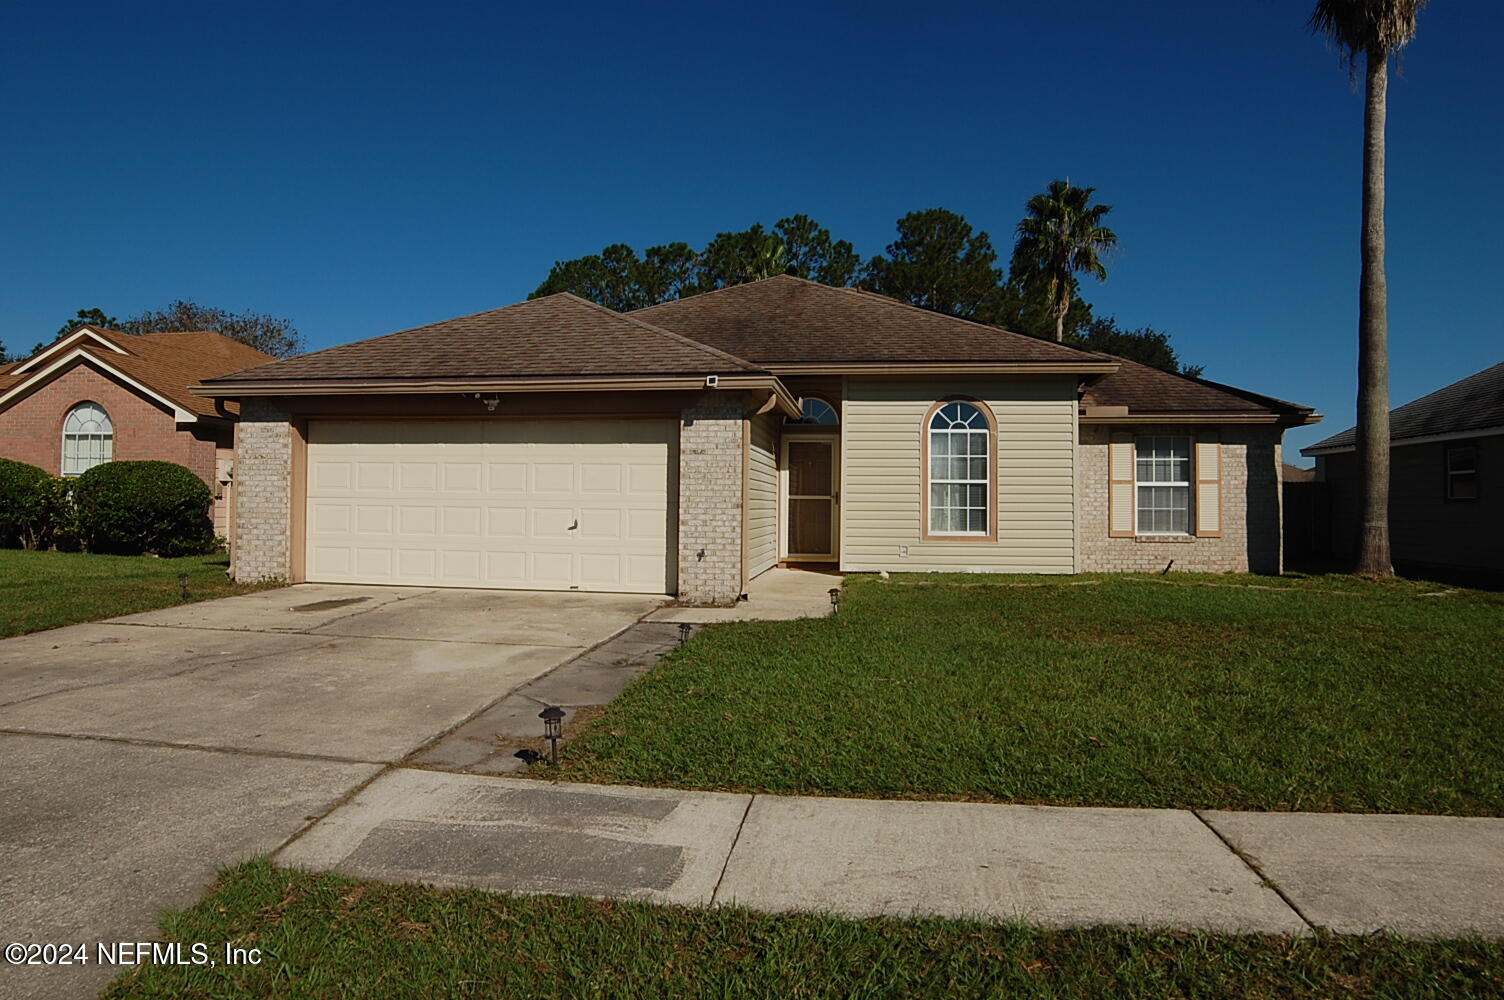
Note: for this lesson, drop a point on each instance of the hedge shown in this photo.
(127, 508)
(18, 481)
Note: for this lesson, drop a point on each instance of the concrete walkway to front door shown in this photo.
(1263, 873)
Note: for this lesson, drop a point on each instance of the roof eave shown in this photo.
(1198, 417)
(945, 368)
(754, 382)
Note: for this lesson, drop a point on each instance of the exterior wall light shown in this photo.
(553, 729)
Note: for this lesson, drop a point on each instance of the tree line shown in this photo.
(938, 261)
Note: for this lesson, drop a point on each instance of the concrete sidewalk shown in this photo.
(1265, 873)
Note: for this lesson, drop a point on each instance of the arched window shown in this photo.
(815, 411)
(959, 438)
(88, 438)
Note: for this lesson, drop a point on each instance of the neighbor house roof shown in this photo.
(557, 336)
(786, 322)
(1144, 390)
(165, 364)
(1473, 404)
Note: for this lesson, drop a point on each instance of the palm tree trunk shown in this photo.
(1373, 337)
(1060, 307)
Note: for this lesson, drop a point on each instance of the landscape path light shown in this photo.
(553, 729)
(835, 599)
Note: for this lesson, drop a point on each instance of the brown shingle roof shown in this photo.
(1472, 404)
(787, 320)
(555, 336)
(166, 363)
(1149, 390)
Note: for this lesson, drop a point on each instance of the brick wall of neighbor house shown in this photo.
(1250, 520)
(31, 430)
(263, 492)
(1425, 529)
(710, 501)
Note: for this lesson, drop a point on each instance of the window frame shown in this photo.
(926, 534)
(1189, 485)
(108, 438)
(1449, 475)
(805, 422)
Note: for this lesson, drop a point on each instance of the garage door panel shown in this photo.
(373, 563)
(585, 504)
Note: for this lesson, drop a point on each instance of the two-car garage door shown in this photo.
(538, 505)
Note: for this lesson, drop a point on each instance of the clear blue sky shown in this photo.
(361, 168)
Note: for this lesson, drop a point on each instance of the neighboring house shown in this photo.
(97, 395)
(685, 448)
(1446, 478)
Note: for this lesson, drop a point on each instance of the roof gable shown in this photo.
(786, 320)
(558, 335)
(1474, 403)
(160, 365)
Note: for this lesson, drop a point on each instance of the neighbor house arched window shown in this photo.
(959, 465)
(88, 438)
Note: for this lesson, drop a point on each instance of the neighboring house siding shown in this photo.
(31, 430)
(882, 480)
(1425, 529)
(1250, 507)
(762, 494)
(710, 502)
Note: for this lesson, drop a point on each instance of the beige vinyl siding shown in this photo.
(762, 495)
(883, 480)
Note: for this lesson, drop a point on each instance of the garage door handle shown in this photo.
(575, 525)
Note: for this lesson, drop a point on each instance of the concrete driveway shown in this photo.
(146, 751)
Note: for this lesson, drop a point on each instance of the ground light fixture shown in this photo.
(553, 729)
(683, 633)
(835, 599)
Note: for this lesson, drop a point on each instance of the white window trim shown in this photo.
(1189, 485)
(80, 436)
(803, 421)
(931, 480)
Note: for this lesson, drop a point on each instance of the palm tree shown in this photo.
(1375, 30)
(1062, 236)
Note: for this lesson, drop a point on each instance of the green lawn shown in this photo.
(1323, 693)
(325, 936)
(46, 589)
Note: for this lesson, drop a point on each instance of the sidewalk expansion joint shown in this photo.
(1264, 880)
(202, 747)
(726, 865)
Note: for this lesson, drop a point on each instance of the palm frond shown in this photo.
(1366, 27)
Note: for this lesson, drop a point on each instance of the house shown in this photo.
(686, 448)
(99, 394)
(1446, 478)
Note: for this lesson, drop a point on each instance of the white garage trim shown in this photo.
(562, 504)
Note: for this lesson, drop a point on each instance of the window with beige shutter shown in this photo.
(1208, 485)
(1120, 515)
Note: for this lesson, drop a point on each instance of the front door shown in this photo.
(813, 493)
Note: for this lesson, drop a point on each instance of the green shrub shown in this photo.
(47, 517)
(17, 481)
(127, 508)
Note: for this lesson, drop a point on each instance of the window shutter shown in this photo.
(1208, 485)
(1120, 500)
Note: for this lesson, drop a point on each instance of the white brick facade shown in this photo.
(1250, 517)
(710, 502)
(263, 492)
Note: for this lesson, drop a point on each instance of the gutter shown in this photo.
(785, 400)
